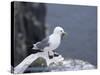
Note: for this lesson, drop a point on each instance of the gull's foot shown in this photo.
(56, 55)
(50, 56)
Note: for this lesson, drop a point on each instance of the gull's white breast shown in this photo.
(54, 42)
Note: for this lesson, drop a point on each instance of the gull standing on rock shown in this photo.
(51, 42)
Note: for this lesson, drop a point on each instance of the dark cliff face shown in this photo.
(27, 28)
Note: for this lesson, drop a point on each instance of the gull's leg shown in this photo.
(50, 54)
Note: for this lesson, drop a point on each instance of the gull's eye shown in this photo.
(61, 31)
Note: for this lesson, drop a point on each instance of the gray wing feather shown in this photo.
(43, 43)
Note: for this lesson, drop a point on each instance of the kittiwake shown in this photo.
(51, 42)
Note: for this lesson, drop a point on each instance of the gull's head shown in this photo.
(59, 30)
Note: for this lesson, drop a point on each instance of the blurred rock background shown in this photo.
(28, 27)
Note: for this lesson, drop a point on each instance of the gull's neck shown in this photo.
(56, 35)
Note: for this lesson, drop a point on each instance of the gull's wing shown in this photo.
(44, 43)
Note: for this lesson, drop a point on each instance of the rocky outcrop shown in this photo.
(41, 63)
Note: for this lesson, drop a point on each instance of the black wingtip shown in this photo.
(36, 51)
